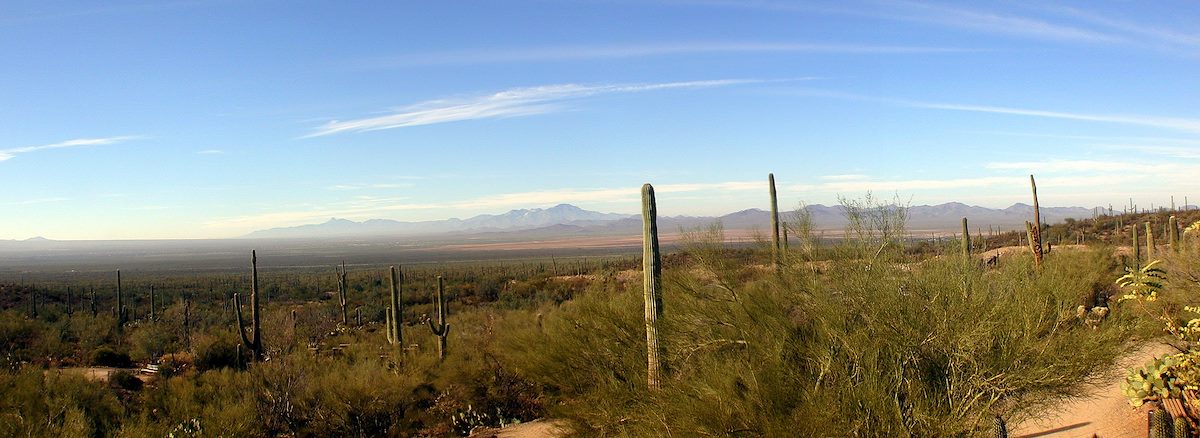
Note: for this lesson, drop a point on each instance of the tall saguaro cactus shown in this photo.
(395, 314)
(442, 328)
(187, 323)
(254, 342)
(652, 286)
(152, 316)
(776, 249)
(341, 277)
(1173, 232)
(1036, 235)
(966, 240)
(122, 314)
(1149, 241)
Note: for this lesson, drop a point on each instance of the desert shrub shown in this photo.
(107, 357)
(149, 341)
(362, 398)
(221, 401)
(217, 351)
(914, 349)
(54, 404)
(18, 336)
(125, 380)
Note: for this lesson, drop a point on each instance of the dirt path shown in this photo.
(1103, 412)
(99, 374)
(532, 429)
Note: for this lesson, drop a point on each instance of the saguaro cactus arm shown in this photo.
(237, 310)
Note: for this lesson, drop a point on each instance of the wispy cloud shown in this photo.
(1166, 122)
(1183, 124)
(38, 201)
(935, 14)
(993, 22)
(513, 102)
(1072, 166)
(1156, 36)
(844, 177)
(370, 186)
(601, 52)
(8, 154)
(211, 152)
(1188, 153)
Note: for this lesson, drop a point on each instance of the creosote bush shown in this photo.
(935, 348)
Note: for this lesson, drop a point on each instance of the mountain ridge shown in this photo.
(568, 219)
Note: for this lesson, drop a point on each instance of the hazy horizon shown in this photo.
(212, 119)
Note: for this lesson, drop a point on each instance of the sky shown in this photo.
(212, 119)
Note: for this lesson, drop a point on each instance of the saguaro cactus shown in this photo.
(152, 316)
(341, 277)
(966, 240)
(187, 323)
(776, 258)
(1149, 241)
(122, 314)
(395, 314)
(1173, 232)
(442, 328)
(253, 343)
(652, 286)
(33, 295)
(93, 301)
(783, 228)
(1036, 235)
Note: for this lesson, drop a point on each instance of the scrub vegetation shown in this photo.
(873, 334)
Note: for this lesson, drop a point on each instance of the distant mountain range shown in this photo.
(566, 220)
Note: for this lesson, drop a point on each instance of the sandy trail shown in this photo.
(533, 429)
(1102, 412)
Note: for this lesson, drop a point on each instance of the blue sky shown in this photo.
(196, 119)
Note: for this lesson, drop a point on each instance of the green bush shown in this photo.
(913, 349)
(107, 357)
(214, 352)
(125, 380)
(55, 404)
